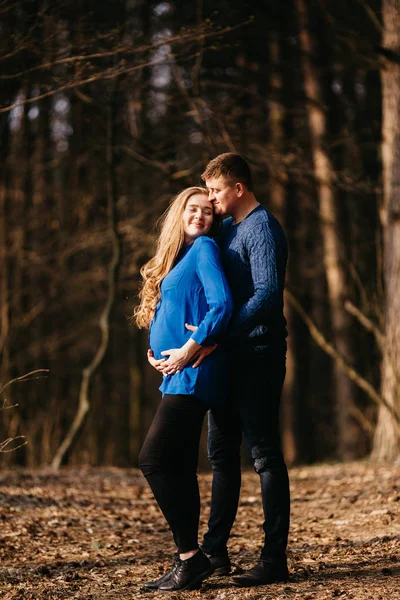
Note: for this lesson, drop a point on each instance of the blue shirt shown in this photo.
(254, 255)
(195, 291)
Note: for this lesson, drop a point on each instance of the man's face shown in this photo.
(223, 194)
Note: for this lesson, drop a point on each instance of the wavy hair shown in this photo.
(169, 243)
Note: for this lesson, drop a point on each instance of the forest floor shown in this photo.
(97, 533)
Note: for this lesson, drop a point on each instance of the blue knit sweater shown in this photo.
(254, 255)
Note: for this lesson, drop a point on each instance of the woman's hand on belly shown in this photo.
(178, 358)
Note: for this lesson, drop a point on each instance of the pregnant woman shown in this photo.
(183, 283)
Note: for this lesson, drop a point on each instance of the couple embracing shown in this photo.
(212, 298)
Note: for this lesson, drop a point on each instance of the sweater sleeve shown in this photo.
(261, 248)
(210, 272)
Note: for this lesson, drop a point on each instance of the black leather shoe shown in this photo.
(188, 574)
(221, 564)
(154, 585)
(262, 573)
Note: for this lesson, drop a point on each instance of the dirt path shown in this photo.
(98, 534)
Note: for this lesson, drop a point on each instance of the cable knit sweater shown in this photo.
(254, 255)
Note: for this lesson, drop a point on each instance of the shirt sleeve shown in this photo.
(218, 296)
(261, 248)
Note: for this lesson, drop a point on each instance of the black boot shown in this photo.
(188, 574)
(263, 573)
(221, 564)
(154, 585)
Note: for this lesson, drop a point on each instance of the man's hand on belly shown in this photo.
(157, 364)
(202, 352)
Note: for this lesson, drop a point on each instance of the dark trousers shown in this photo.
(168, 460)
(252, 409)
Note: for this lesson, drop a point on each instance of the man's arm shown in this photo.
(203, 350)
(261, 247)
(262, 252)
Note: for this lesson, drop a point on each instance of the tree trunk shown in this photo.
(387, 437)
(104, 320)
(277, 195)
(330, 226)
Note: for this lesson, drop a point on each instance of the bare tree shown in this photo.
(104, 320)
(387, 436)
(330, 227)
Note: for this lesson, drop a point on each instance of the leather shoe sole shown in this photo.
(242, 582)
(154, 585)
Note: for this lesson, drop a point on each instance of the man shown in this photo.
(254, 255)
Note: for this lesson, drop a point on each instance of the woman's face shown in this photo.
(197, 217)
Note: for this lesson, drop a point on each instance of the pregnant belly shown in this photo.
(163, 337)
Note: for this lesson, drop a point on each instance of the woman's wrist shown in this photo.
(189, 349)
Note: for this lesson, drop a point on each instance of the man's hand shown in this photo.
(157, 364)
(204, 350)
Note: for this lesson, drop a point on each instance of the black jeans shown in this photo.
(252, 409)
(168, 460)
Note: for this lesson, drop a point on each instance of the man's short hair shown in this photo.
(230, 166)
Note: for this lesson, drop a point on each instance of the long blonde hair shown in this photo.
(169, 243)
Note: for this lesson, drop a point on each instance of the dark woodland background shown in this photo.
(107, 109)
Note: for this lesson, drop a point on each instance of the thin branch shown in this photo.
(366, 323)
(193, 102)
(25, 377)
(31, 315)
(148, 162)
(358, 281)
(184, 90)
(197, 65)
(164, 167)
(5, 407)
(341, 362)
(179, 38)
(110, 73)
(7, 442)
(87, 57)
(372, 16)
(362, 419)
(67, 86)
(23, 45)
(223, 130)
